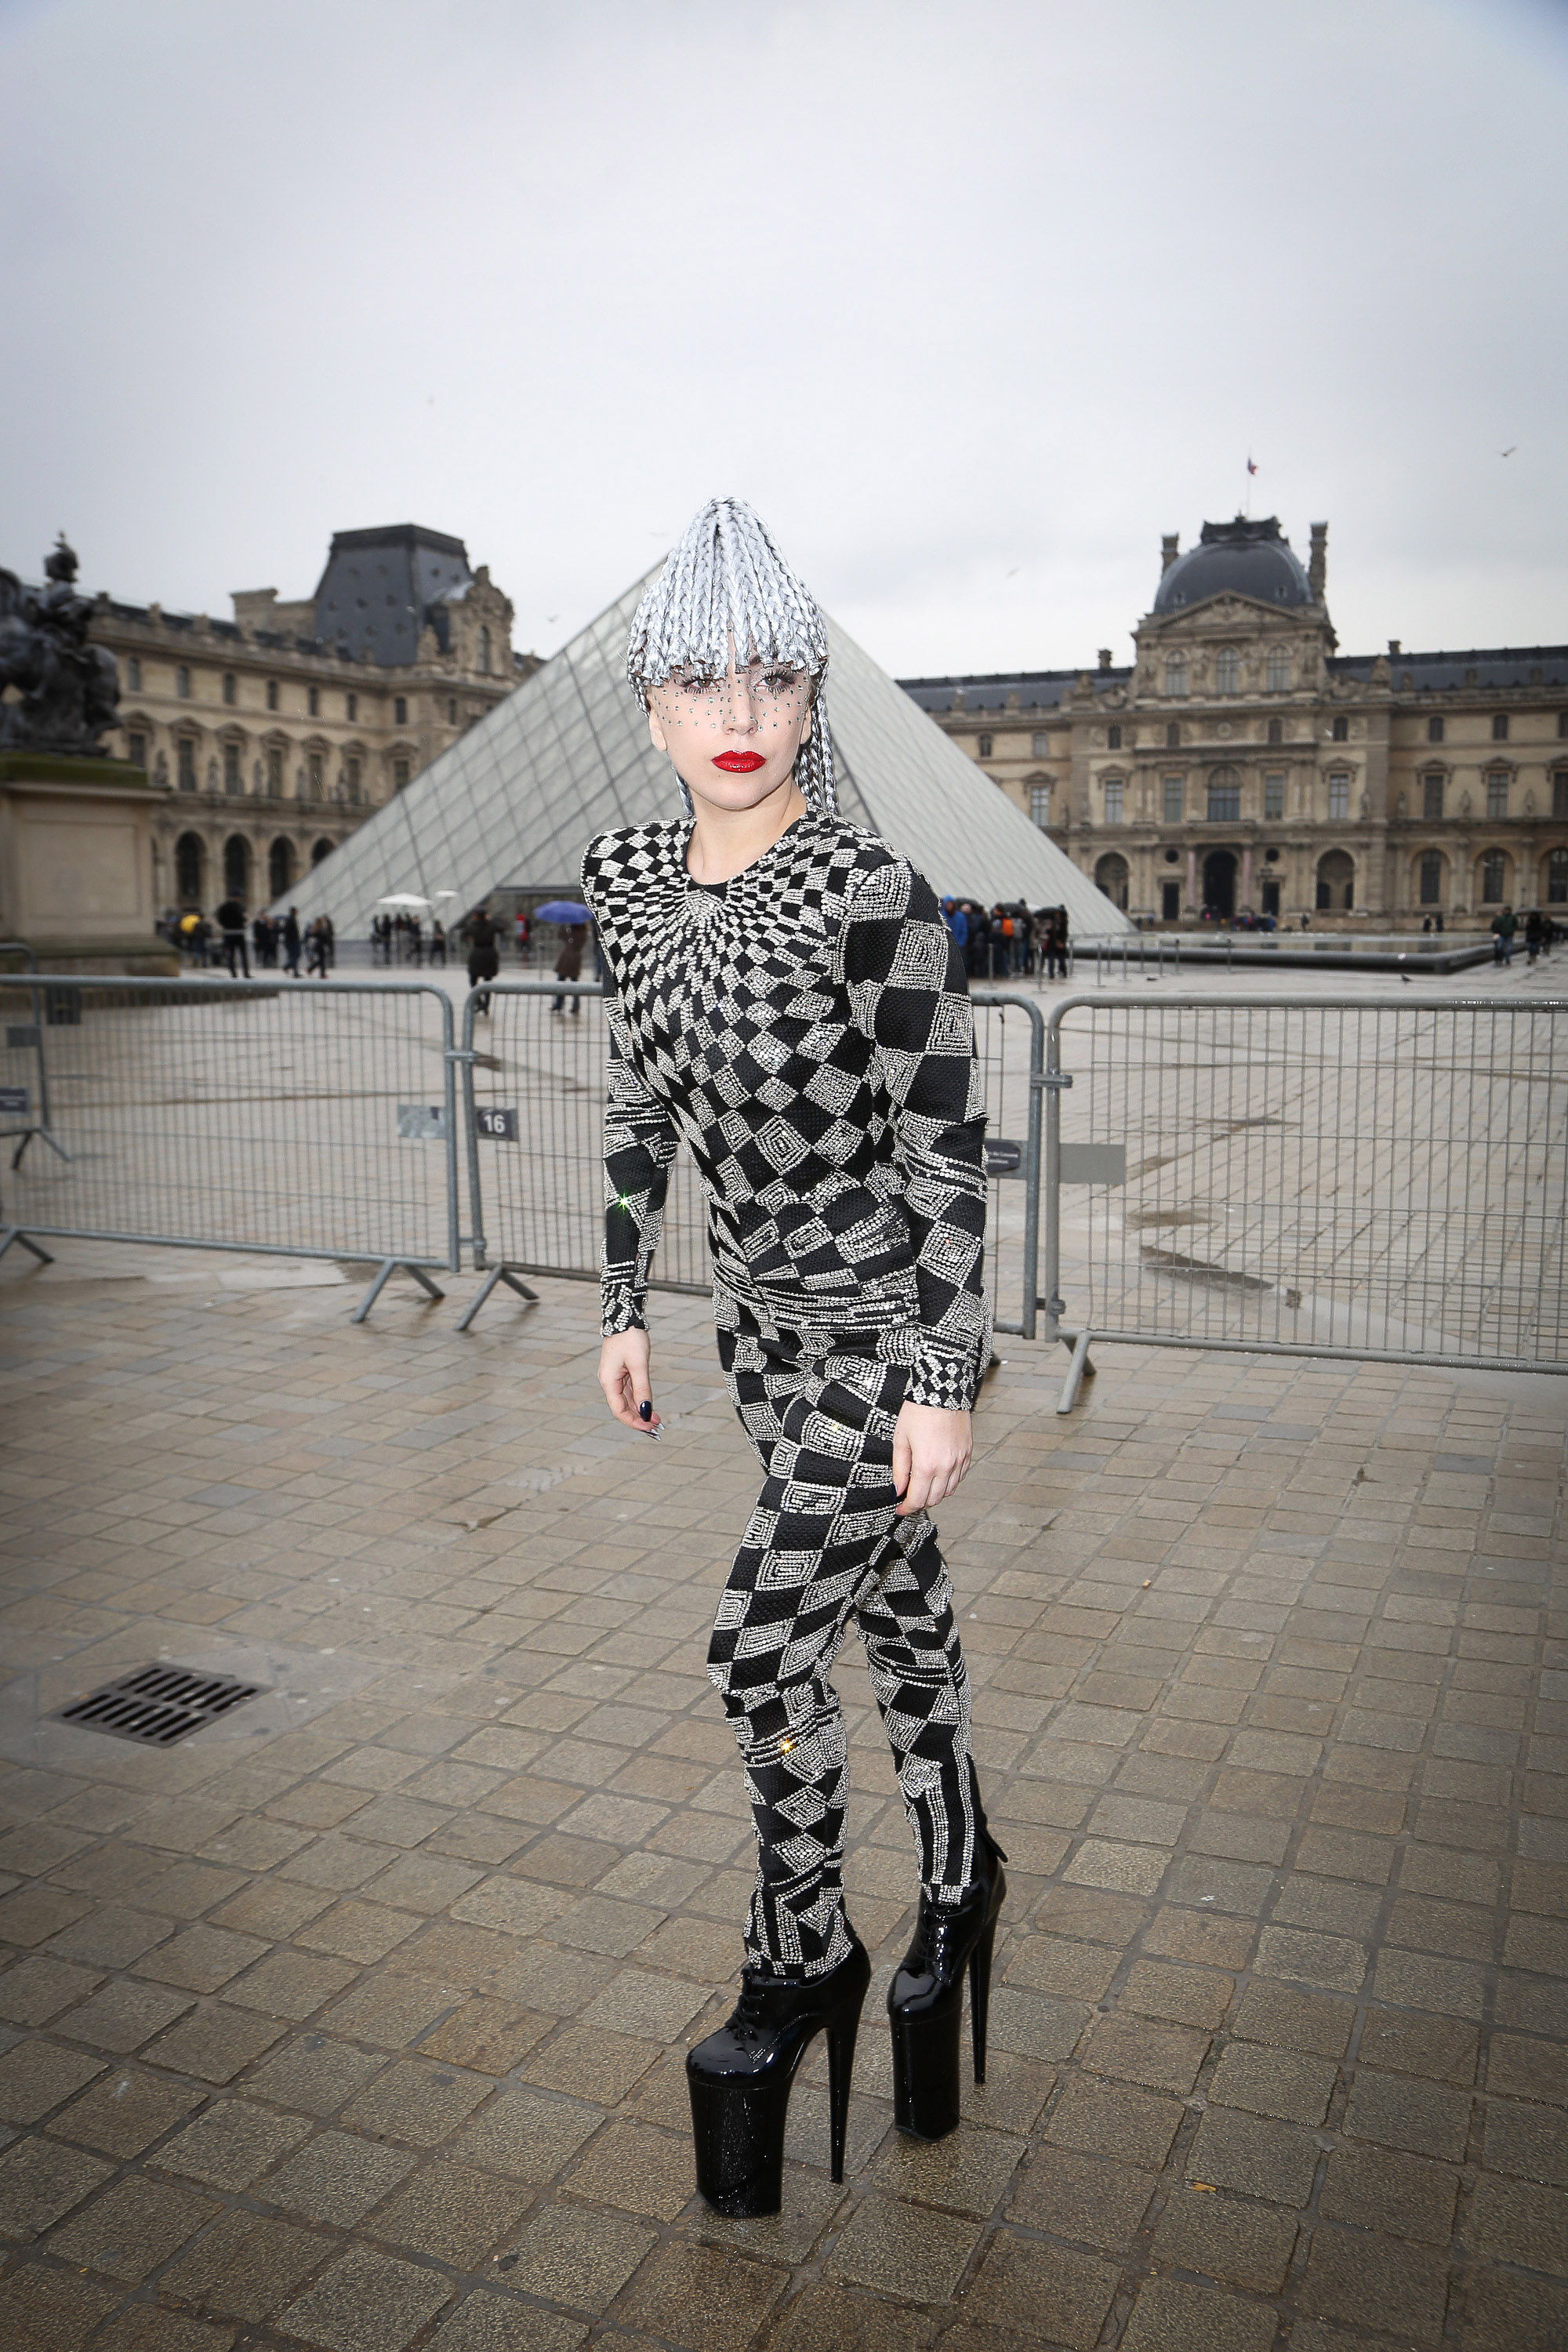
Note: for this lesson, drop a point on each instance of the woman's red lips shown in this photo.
(739, 763)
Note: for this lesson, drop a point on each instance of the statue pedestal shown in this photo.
(76, 862)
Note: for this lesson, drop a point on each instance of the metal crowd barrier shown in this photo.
(1325, 1175)
(296, 1118)
(534, 1107)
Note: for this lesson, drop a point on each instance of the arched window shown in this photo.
(319, 850)
(1557, 878)
(188, 869)
(237, 867)
(1494, 877)
(1336, 882)
(1111, 875)
(485, 651)
(281, 867)
(1227, 670)
(1278, 670)
(982, 747)
(1431, 873)
(1175, 673)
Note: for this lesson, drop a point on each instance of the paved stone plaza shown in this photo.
(358, 2021)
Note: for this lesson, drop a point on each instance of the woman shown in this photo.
(484, 955)
(787, 999)
(569, 964)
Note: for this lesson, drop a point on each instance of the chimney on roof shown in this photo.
(1105, 656)
(1170, 548)
(1393, 647)
(1317, 568)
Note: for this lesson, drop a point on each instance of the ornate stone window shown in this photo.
(1224, 797)
(185, 763)
(1339, 797)
(136, 748)
(1276, 731)
(1496, 792)
(1173, 792)
(274, 774)
(1173, 736)
(1499, 727)
(182, 683)
(1115, 790)
(133, 675)
(1341, 730)
(1431, 877)
(233, 780)
(1040, 805)
(399, 774)
(1434, 729)
(982, 747)
(1113, 739)
(272, 697)
(485, 653)
(1273, 796)
(1432, 798)
(1494, 877)
(313, 773)
(350, 778)
(1040, 744)
(1278, 670)
(1227, 670)
(351, 707)
(229, 688)
(313, 700)
(1175, 673)
(400, 711)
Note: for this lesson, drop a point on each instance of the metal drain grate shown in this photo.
(159, 1705)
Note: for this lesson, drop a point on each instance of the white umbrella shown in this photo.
(401, 898)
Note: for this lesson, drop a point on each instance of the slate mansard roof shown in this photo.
(1243, 558)
(381, 588)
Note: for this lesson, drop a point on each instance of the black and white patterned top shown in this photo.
(806, 1028)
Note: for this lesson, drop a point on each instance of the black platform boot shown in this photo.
(740, 2079)
(925, 1999)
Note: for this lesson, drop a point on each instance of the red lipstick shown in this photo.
(739, 763)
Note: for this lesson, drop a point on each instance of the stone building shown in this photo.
(281, 729)
(1242, 762)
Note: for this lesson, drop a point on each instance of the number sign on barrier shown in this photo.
(498, 1125)
(13, 1102)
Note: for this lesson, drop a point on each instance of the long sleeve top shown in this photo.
(805, 1027)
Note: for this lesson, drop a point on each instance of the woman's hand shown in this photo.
(930, 1455)
(623, 1375)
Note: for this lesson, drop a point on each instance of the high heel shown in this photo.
(739, 2080)
(925, 1999)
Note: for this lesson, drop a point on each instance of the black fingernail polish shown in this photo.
(646, 1409)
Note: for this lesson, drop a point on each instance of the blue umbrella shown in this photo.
(562, 910)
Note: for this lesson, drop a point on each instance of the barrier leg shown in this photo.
(497, 1274)
(9, 1234)
(389, 1266)
(56, 1148)
(1079, 1371)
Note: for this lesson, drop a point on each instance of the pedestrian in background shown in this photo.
(437, 944)
(569, 964)
(291, 944)
(484, 954)
(231, 923)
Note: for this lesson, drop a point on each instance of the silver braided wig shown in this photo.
(724, 586)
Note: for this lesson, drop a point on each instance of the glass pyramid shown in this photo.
(514, 802)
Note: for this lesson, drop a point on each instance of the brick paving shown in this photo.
(357, 2022)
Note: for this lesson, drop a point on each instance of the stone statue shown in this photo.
(67, 687)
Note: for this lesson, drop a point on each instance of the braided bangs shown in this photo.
(726, 589)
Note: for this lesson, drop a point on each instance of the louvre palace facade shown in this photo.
(1243, 762)
(281, 730)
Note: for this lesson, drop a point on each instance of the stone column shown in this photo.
(1193, 879)
(1246, 899)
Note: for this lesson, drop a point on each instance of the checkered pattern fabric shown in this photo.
(806, 1028)
(824, 1544)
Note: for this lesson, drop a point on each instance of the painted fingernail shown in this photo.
(646, 1409)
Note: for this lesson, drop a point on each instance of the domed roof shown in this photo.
(1235, 558)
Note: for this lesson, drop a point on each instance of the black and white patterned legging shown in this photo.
(823, 1545)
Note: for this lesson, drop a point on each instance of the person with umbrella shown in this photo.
(788, 1001)
(575, 919)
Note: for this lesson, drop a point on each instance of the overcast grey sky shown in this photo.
(972, 302)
